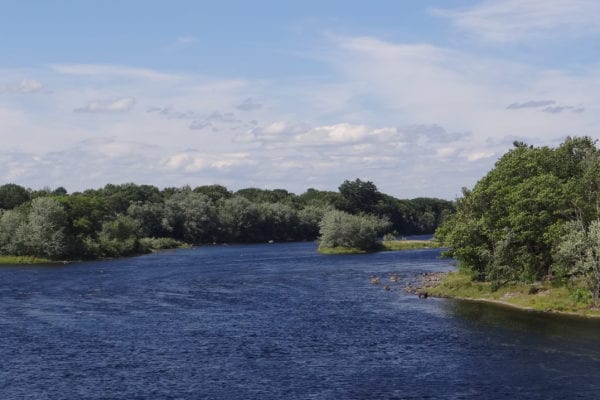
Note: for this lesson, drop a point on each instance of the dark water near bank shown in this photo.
(275, 322)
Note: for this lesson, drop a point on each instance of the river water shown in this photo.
(275, 321)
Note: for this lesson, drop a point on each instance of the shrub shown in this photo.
(340, 229)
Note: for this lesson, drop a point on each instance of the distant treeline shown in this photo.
(129, 219)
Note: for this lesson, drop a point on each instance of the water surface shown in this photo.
(275, 321)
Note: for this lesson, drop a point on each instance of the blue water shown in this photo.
(275, 321)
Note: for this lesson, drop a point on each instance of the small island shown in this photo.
(384, 245)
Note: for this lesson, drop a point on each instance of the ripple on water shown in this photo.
(271, 322)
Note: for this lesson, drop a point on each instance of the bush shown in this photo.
(582, 296)
(389, 236)
(340, 229)
(160, 243)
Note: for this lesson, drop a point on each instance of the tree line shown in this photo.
(127, 219)
(535, 215)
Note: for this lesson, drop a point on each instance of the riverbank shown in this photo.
(540, 297)
(386, 245)
(147, 245)
(23, 260)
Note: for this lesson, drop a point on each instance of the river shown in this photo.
(276, 321)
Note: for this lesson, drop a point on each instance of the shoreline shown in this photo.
(435, 284)
(385, 245)
(506, 304)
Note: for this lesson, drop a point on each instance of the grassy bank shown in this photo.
(340, 250)
(393, 245)
(539, 296)
(12, 260)
(386, 245)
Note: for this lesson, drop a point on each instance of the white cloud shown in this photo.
(86, 164)
(445, 152)
(531, 104)
(113, 70)
(25, 86)
(250, 104)
(477, 155)
(114, 106)
(513, 20)
(415, 118)
(195, 161)
(468, 93)
(276, 128)
(185, 41)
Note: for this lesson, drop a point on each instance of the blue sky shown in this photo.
(420, 97)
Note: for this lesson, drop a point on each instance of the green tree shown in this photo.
(341, 229)
(278, 221)
(152, 218)
(309, 218)
(12, 195)
(214, 192)
(11, 222)
(359, 196)
(239, 220)
(578, 255)
(319, 198)
(44, 233)
(191, 217)
(508, 226)
(118, 237)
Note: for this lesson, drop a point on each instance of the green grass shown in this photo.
(386, 245)
(393, 245)
(162, 243)
(12, 260)
(340, 250)
(545, 296)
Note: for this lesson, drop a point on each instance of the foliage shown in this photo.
(161, 243)
(388, 237)
(37, 230)
(359, 197)
(408, 244)
(341, 250)
(44, 233)
(547, 297)
(12, 195)
(578, 254)
(341, 229)
(214, 192)
(239, 218)
(191, 217)
(127, 219)
(582, 296)
(118, 237)
(10, 223)
(508, 227)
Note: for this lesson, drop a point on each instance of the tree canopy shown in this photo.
(127, 218)
(510, 226)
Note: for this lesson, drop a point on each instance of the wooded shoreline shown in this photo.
(130, 219)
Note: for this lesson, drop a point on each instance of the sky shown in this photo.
(419, 97)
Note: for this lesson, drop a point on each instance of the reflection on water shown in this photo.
(551, 325)
(275, 322)
(544, 332)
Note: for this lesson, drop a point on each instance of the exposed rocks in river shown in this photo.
(426, 280)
